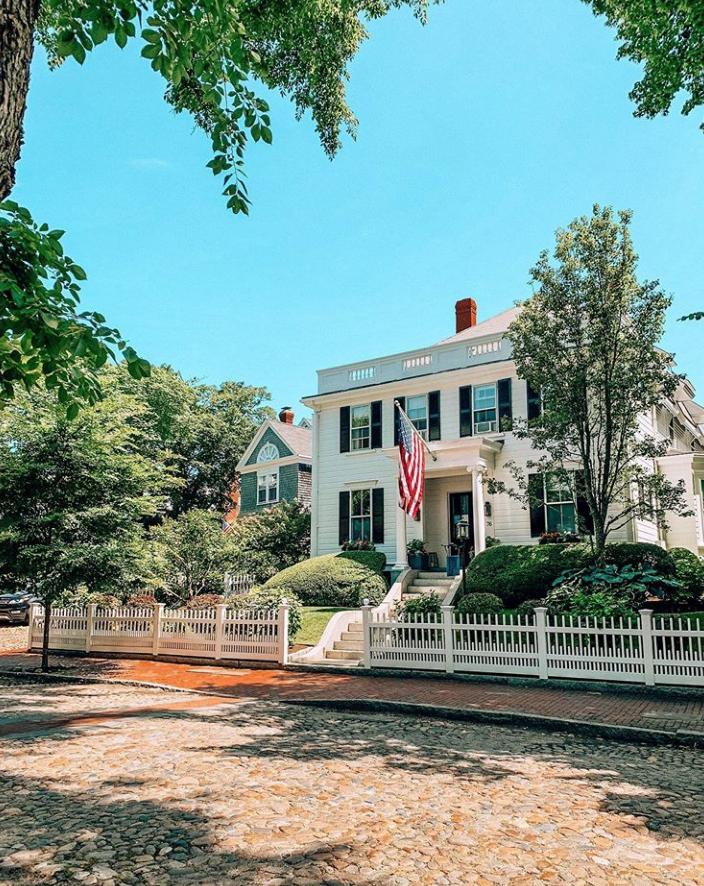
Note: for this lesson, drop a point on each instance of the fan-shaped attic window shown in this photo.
(268, 452)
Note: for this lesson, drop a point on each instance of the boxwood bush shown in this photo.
(479, 604)
(331, 580)
(375, 560)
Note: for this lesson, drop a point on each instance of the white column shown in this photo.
(478, 506)
(401, 540)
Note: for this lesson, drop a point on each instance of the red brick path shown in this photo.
(625, 706)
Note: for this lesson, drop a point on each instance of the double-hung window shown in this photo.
(360, 427)
(267, 487)
(417, 411)
(560, 511)
(361, 515)
(484, 409)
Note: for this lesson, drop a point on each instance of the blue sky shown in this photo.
(479, 135)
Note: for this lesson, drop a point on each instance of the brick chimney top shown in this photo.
(286, 415)
(465, 314)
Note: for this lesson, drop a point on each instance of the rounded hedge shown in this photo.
(689, 571)
(523, 572)
(632, 553)
(331, 580)
(375, 560)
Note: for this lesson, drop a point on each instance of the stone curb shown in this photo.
(514, 719)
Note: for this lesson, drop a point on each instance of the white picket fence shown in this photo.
(239, 584)
(666, 651)
(218, 634)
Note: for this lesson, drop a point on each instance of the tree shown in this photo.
(73, 495)
(200, 431)
(588, 342)
(272, 540)
(210, 56)
(191, 554)
(667, 38)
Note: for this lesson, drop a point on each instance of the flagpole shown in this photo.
(416, 431)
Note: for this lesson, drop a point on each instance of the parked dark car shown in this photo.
(15, 607)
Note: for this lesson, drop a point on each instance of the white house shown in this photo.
(461, 393)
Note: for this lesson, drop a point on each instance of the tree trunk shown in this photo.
(17, 21)
(45, 639)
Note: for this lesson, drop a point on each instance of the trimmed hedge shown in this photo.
(375, 560)
(480, 604)
(331, 580)
(689, 571)
(630, 553)
(522, 572)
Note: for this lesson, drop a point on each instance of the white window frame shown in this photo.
(268, 452)
(265, 485)
(423, 431)
(561, 503)
(487, 426)
(361, 517)
(368, 438)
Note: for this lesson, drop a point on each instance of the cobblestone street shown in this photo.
(128, 785)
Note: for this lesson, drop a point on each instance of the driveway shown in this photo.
(103, 785)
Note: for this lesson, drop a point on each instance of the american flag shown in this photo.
(411, 466)
(226, 527)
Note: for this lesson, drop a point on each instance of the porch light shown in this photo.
(462, 530)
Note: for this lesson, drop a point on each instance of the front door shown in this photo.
(461, 510)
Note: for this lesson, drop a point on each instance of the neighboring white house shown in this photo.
(460, 393)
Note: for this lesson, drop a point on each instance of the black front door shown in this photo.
(461, 510)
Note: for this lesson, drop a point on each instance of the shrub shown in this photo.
(331, 580)
(142, 601)
(204, 601)
(480, 604)
(270, 598)
(375, 560)
(105, 601)
(689, 571)
(595, 604)
(615, 590)
(416, 546)
(522, 572)
(427, 604)
(528, 607)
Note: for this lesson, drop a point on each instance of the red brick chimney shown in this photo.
(286, 415)
(465, 314)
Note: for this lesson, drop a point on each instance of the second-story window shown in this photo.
(360, 427)
(417, 411)
(484, 408)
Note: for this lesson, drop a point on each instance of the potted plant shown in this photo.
(417, 554)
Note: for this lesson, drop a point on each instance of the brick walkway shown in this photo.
(631, 707)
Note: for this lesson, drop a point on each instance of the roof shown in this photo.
(298, 439)
(492, 326)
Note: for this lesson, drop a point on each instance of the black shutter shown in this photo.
(534, 405)
(378, 516)
(585, 523)
(466, 411)
(344, 429)
(434, 415)
(376, 425)
(344, 517)
(402, 404)
(503, 390)
(536, 504)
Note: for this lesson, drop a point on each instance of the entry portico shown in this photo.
(462, 464)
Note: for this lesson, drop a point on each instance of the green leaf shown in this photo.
(78, 272)
(50, 321)
(120, 37)
(72, 411)
(150, 51)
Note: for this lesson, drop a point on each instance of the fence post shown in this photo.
(90, 620)
(156, 628)
(367, 634)
(646, 634)
(283, 631)
(447, 612)
(541, 633)
(220, 611)
(33, 613)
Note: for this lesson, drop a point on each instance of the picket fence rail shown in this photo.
(218, 634)
(664, 650)
(238, 584)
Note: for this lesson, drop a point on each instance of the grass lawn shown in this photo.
(314, 621)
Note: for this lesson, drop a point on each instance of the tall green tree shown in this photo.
(73, 495)
(216, 61)
(588, 342)
(201, 431)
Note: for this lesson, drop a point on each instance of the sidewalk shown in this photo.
(621, 712)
